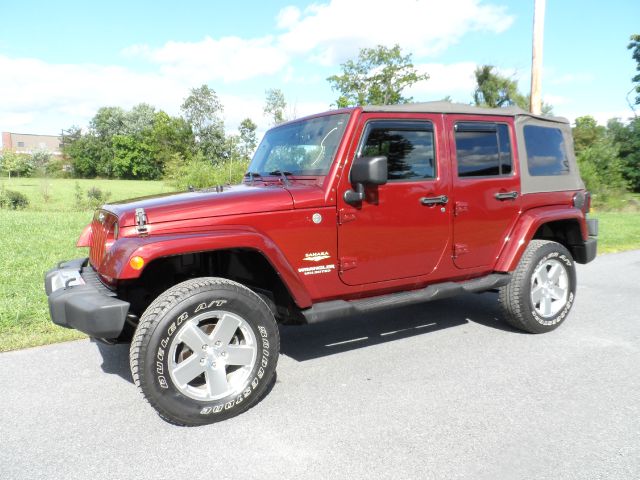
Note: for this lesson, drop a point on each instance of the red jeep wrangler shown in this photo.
(347, 211)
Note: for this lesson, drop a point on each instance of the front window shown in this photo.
(307, 147)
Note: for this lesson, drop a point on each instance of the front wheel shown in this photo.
(204, 351)
(542, 289)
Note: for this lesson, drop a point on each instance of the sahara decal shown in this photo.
(316, 256)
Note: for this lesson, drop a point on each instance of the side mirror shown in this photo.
(366, 171)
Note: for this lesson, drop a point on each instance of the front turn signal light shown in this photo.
(136, 262)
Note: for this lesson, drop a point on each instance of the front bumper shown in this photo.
(79, 300)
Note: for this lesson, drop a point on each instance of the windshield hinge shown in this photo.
(345, 216)
(141, 221)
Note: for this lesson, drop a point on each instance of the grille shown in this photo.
(102, 230)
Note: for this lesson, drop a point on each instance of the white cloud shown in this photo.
(34, 92)
(456, 80)
(288, 16)
(228, 59)
(602, 117)
(327, 34)
(42, 96)
(334, 32)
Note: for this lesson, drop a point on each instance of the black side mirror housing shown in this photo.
(369, 171)
(366, 171)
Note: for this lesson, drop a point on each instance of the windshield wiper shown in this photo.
(283, 176)
(251, 176)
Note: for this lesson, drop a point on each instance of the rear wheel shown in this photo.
(542, 288)
(205, 350)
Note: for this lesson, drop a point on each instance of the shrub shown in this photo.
(13, 200)
(97, 197)
(200, 173)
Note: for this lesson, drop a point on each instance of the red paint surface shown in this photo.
(395, 242)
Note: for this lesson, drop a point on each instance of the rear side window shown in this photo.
(482, 149)
(408, 147)
(546, 151)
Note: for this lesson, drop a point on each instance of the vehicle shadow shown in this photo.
(115, 359)
(350, 333)
(306, 342)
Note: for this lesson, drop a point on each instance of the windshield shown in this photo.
(301, 148)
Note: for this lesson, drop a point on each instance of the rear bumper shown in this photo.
(586, 252)
(77, 299)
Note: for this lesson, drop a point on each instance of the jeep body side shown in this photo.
(364, 208)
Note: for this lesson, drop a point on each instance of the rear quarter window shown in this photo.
(546, 151)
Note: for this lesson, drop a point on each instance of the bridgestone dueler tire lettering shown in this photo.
(152, 340)
(515, 297)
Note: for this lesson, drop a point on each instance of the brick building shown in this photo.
(29, 143)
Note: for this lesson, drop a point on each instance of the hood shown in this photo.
(235, 200)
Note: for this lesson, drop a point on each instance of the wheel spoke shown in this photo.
(239, 355)
(536, 294)
(194, 337)
(554, 272)
(545, 306)
(557, 293)
(542, 276)
(225, 329)
(187, 370)
(216, 381)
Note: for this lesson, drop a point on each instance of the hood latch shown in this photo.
(141, 221)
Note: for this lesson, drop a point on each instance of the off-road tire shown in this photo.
(169, 320)
(516, 297)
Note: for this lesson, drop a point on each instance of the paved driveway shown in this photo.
(442, 390)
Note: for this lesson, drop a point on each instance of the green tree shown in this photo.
(377, 77)
(109, 121)
(600, 165)
(140, 118)
(494, 90)
(248, 141)
(627, 139)
(134, 158)
(203, 112)
(10, 162)
(634, 46)
(275, 104)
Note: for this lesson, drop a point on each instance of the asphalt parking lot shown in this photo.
(441, 390)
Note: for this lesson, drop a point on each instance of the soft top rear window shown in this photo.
(546, 151)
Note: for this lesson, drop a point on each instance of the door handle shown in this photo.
(506, 195)
(439, 200)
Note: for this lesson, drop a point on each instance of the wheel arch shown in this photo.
(564, 225)
(222, 253)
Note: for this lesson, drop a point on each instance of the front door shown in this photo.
(486, 186)
(402, 228)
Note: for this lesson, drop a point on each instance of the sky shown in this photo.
(61, 61)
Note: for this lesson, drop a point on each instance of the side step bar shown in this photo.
(341, 308)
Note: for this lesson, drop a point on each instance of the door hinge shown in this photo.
(348, 263)
(460, 207)
(460, 249)
(345, 216)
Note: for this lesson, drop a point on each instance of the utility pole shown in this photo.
(536, 57)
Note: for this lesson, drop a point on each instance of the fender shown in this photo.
(526, 227)
(116, 261)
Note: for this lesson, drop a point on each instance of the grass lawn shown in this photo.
(35, 239)
(618, 231)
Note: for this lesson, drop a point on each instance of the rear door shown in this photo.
(486, 187)
(394, 233)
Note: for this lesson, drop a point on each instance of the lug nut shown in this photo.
(218, 343)
(205, 346)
